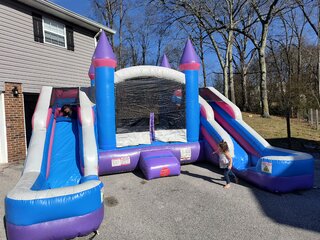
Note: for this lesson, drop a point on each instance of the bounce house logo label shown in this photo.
(117, 162)
(266, 167)
(185, 154)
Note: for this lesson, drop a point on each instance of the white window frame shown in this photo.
(64, 31)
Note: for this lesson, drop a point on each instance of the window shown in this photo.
(54, 32)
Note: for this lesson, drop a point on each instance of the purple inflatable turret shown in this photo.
(91, 74)
(190, 65)
(189, 59)
(105, 62)
(103, 55)
(165, 62)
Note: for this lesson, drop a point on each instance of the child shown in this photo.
(66, 110)
(225, 162)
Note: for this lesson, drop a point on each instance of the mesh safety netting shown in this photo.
(137, 98)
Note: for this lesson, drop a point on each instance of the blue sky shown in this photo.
(79, 6)
(83, 7)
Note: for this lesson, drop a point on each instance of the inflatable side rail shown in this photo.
(90, 149)
(210, 127)
(34, 159)
(72, 211)
(234, 112)
(274, 169)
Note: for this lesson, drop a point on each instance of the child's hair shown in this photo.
(224, 146)
(63, 110)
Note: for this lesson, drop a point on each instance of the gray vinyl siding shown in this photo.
(35, 64)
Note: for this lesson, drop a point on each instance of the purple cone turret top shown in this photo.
(165, 62)
(103, 55)
(189, 59)
(91, 72)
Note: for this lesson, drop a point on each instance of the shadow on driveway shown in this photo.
(206, 178)
(300, 209)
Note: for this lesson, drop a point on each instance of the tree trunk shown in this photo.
(263, 83)
(299, 67)
(158, 52)
(227, 66)
(244, 78)
(121, 63)
(202, 60)
(222, 64)
(110, 19)
(134, 57)
(231, 79)
(204, 72)
(229, 55)
(263, 74)
(144, 54)
(225, 81)
(299, 61)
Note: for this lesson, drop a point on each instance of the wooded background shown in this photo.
(264, 55)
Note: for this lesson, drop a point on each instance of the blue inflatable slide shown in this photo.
(59, 192)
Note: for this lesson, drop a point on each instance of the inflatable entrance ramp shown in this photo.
(156, 164)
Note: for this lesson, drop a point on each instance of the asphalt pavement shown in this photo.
(195, 206)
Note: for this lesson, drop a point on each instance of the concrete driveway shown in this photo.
(195, 206)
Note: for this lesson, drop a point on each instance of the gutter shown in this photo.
(73, 17)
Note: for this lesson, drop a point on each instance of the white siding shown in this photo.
(3, 134)
(37, 64)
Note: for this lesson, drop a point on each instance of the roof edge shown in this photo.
(53, 9)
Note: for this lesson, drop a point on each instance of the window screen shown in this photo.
(54, 32)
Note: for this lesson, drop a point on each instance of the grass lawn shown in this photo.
(274, 129)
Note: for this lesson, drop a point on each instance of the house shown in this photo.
(41, 44)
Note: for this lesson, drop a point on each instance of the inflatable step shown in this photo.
(156, 164)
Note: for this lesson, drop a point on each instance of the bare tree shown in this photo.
(265, 12)
(222, 21)
(202, 53)
(244, 51)
(107, 10)
(144, 41)
(265, 20)
(131, 41)
(230, 10)
(197, 36)
(245, 56)
(113, 14)
(121, 18)
(316, 28)
(238, 33)
(216, 18)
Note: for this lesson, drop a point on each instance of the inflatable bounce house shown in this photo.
(148, 117)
